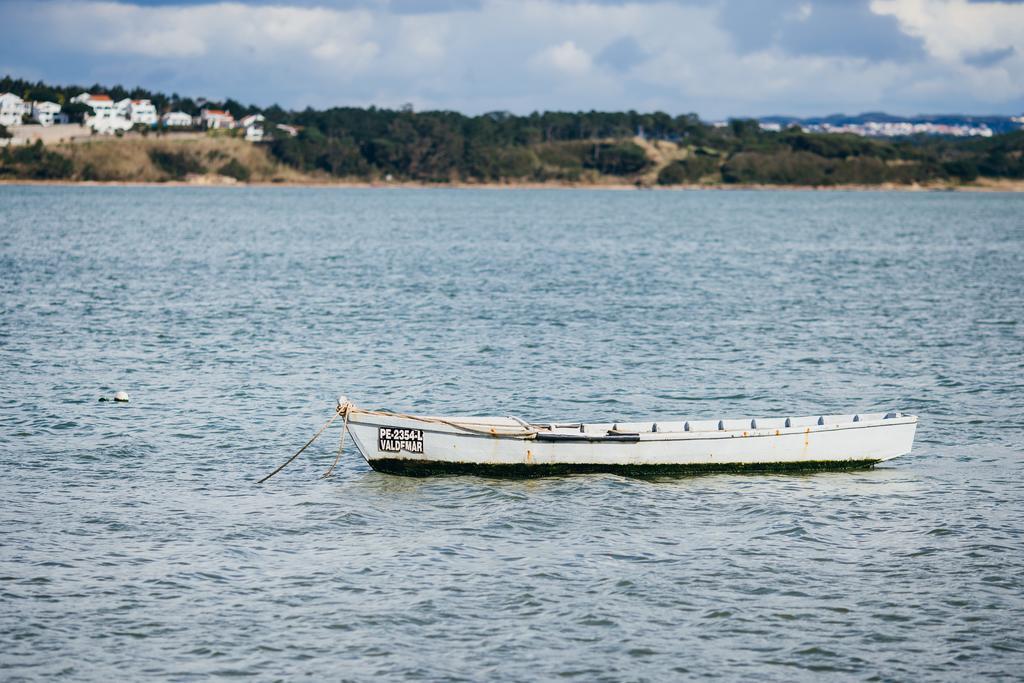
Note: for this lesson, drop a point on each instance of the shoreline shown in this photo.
(220, 182)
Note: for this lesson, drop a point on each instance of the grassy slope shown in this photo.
(131, 160)
(134, 158)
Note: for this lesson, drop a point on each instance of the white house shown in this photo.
(216, 118)
(253, 125)
(137, 111)
(285, 128)
(12, 109)
(104, 117)
(176, 119)
(48, 113)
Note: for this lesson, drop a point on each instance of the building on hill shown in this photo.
(253, 125)
(13, 109)
(105, 117)
(48, 113)
(291, 131)
(176, 119)
(211, 119)
(137, 111)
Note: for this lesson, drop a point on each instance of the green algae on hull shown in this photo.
(426, 468)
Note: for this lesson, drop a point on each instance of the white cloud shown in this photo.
(951, 29)
(217, 31)
(519, 55)
(423, 37)
(952, 32)
(565, 57)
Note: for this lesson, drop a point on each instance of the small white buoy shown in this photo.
(121, 397)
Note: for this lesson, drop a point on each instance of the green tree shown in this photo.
(76, 111)
(176, 164)
(692, 169)
(625, 158)
(235, 169)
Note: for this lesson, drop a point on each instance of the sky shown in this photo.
(718, 58)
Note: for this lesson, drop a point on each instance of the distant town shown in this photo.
(887, 129)
(105, 116)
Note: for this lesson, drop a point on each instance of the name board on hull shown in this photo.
(396, 440)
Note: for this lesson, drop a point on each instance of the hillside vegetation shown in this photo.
(793, 159)
(148, 159)
(353, 144)
(597, 147)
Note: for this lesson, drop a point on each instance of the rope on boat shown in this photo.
(346, 408)
(527, 433)
(342, 408)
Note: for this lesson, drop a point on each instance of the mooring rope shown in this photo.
(346, 408)
(341, 442)
(337, 411)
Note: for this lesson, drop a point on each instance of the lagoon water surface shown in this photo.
(134, 544)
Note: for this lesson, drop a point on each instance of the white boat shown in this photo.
(508, 446)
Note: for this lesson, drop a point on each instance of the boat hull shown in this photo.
(422, 447)
(427, 468)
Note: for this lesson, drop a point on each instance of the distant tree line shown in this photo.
(442, 146)
(796, 158)
(445, 146)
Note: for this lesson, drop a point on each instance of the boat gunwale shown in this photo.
(644, 437)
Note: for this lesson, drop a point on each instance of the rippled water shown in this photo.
(133, 543)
